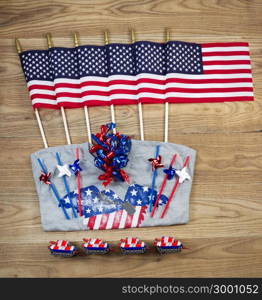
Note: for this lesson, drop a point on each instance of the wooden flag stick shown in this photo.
(112, 107)
(139, 105)
(166, 103)
(39, 122)
(50, 45)
(88, 127)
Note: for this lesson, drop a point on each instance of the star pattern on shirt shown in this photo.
(112, 59)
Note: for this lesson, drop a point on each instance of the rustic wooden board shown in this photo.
(225, 229)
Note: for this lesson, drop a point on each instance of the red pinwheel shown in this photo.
(156, 162)
(45, 177)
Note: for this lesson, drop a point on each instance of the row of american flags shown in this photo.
(146, 72)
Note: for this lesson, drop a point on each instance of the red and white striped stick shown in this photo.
(79, 186)
(163, 186)
(173, 190)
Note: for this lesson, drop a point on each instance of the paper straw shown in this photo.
(163, 186)
(66, 186)
(173, 190)
(79, 186)
(52, 186)
(153, 180)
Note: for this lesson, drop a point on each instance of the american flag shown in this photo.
(146, 72)
(107, 212)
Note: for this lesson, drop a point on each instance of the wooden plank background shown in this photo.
(225, 229)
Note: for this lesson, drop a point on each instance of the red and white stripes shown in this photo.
(116, 220)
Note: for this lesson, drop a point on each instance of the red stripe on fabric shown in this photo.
(117, 219)
(223, 53)
(235, 71)
(41, 87)
(201, 81)
(207, 100)
(227, 44)
(98, 83)
(226, 62)
(129, 219)
(91, 103)
(44, 105)
(210, 90)
(80, 95)
(91, 222)
(43, 96)
(103, 221)
(141, 215)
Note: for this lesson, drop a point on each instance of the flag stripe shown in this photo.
(91, 222)
(103, 222)
(129, 219)
(97, 221)
(136, 216)
(110, 220)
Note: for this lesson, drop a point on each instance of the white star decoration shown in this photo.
(183, 175)
(133, 192)
(88, 192)
(145, 188)
(63, 170)
(95, 199)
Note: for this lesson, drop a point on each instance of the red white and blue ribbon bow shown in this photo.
(111, 153)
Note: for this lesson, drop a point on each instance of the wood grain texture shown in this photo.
(225, 229)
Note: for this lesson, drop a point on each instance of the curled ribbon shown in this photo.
(111, 153)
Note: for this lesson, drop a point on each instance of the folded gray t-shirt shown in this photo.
(109, 207)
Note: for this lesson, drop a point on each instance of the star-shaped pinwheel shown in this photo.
(156, 162)
(45, 177)
(170, 172)
(183, 175)
(63, 170)
(75, 167)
